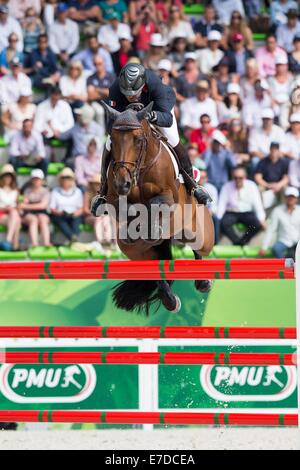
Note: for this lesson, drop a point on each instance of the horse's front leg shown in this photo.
(202, 285)
(160, 210)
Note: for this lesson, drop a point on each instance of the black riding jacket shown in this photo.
(163, 97)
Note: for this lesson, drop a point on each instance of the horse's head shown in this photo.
(129, 141)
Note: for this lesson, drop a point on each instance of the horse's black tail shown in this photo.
(136, 295)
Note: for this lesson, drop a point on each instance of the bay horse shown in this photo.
(142, 170)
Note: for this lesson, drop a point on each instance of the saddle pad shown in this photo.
(176, 168)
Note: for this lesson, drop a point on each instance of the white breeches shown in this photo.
(171, 133)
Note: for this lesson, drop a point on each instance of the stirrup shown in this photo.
(97, 201)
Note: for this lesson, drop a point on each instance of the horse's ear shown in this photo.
(111, 112)
(141, 114)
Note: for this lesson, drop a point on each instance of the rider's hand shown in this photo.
(151, 116)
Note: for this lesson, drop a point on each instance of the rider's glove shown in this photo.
(152, 116)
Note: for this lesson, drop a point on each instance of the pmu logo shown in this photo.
(257, 383)
(47, 384)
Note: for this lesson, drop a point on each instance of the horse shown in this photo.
(141, 170)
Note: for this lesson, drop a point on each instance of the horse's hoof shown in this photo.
(203, 286)
(178, 305)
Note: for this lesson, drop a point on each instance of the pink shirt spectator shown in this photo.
(266, 60)
(85, 169)
(17, 8)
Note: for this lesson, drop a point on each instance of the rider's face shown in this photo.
(134, 99)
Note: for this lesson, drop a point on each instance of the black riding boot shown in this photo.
(100, 198)
(199, 192)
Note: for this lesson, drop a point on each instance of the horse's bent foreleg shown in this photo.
(202, 285)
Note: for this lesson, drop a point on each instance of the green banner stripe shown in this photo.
(172, 265)
(41, 332)
(161, 358)
(104, 331)
(103, 417)
(49, 417)
(217, 332)
(106, 269)
(40, 358)
(103, 358)
(216, 358)
(162, 418)
(281, 359)
(42, 276)
(227, 264)
(47, 266)
(40, 416)
(51, 332)
(50, 357)
(227, 358)
(216, 418)
(226, 332)
(281, 420)
(161, 269)
(226, 419)
(281, 333)
(217, 275)
(227, 275)
(281, 275)
(162, 333)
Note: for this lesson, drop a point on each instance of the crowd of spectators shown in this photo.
(238, 107)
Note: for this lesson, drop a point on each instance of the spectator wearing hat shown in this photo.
(202, 136)
(238, 25)
(14, 83)
(102, 225)
(109, 34)
(178, 49)
(63, 34)
(238, 141)
(9, 215)
(27, 148)
(253, 105)
(271, 175)
(166, 73)
(81, 133)
(176, 26)
(206, 24)
(186, 82)
(143, 28)
(66, 205)
(260, 138)
(211, 55)
(32, 27)
(117, 6)
(98, 86)
(220, 79)
(88, 165)
(33, 209)
(125, 52)
(292, 140)
(240, 202)
(219, 160)
(225, 8)
(73, 85)
(53, 115)
(41, 65)
(86, 56)
(281, 85)
(285, 33)
(279, 10)
(231, 106)
(156, 52)
(9, 25)
(266, 56)
(192, 108)
(284, 226)
(9, 53)
(238, 55)
(14, 114)
(294, 56)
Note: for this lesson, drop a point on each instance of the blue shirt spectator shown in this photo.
(41, 64)
(86, 56)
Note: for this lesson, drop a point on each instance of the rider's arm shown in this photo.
(164, 99)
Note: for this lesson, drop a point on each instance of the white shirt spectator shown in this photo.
(183, 28)
(260, 140)
(26, 146)
(294, 174)
(246, 199)
(8, 198)
(191, 110)
(292, 146)
(64, 36)
(109, 37)
(68, 86)
(207, 59)
(284, 227)
(60, 117)
(12, 87)
(252, 110)
(224, 8)
(285, 36)
(66, 201)
(10, 26)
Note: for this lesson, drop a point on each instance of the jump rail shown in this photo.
(138, 417)
(59, 357)
(168, 332)
(154, 269)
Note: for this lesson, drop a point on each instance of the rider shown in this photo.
(137, 84)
